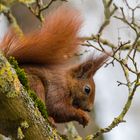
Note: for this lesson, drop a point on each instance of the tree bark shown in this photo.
(19, 118)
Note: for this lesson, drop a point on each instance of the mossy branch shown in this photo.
(17, 108)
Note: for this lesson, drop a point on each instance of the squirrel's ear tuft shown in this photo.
(89, 67)
(99, 61)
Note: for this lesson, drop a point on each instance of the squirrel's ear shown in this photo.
(89, 67)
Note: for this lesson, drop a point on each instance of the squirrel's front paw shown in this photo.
(84, 118)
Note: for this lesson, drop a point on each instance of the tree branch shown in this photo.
(19, 117)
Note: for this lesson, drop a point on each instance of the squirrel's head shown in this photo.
(81, 83)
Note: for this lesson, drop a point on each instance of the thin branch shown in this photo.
(108, 43)
(119, 118)
(107, 14)
(40, 7)
(12, 21)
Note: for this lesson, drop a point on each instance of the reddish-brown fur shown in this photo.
(57, 39)
(68, 91)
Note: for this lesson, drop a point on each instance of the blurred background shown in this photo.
(110, 98)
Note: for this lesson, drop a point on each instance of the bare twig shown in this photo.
(132, 47)
(107, 14)
(40, 7)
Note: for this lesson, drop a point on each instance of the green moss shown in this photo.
(24, 81)
(42, 107)
(38, 103)
(20, 72)
(32, 94)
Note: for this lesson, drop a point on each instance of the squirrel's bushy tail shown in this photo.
(55, 42)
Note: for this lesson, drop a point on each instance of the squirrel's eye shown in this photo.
(87, 89)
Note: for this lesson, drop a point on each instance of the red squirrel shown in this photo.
(67, 90)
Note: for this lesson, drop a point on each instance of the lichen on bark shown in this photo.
(17, 107)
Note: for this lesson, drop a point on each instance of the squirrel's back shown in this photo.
(52, 44)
